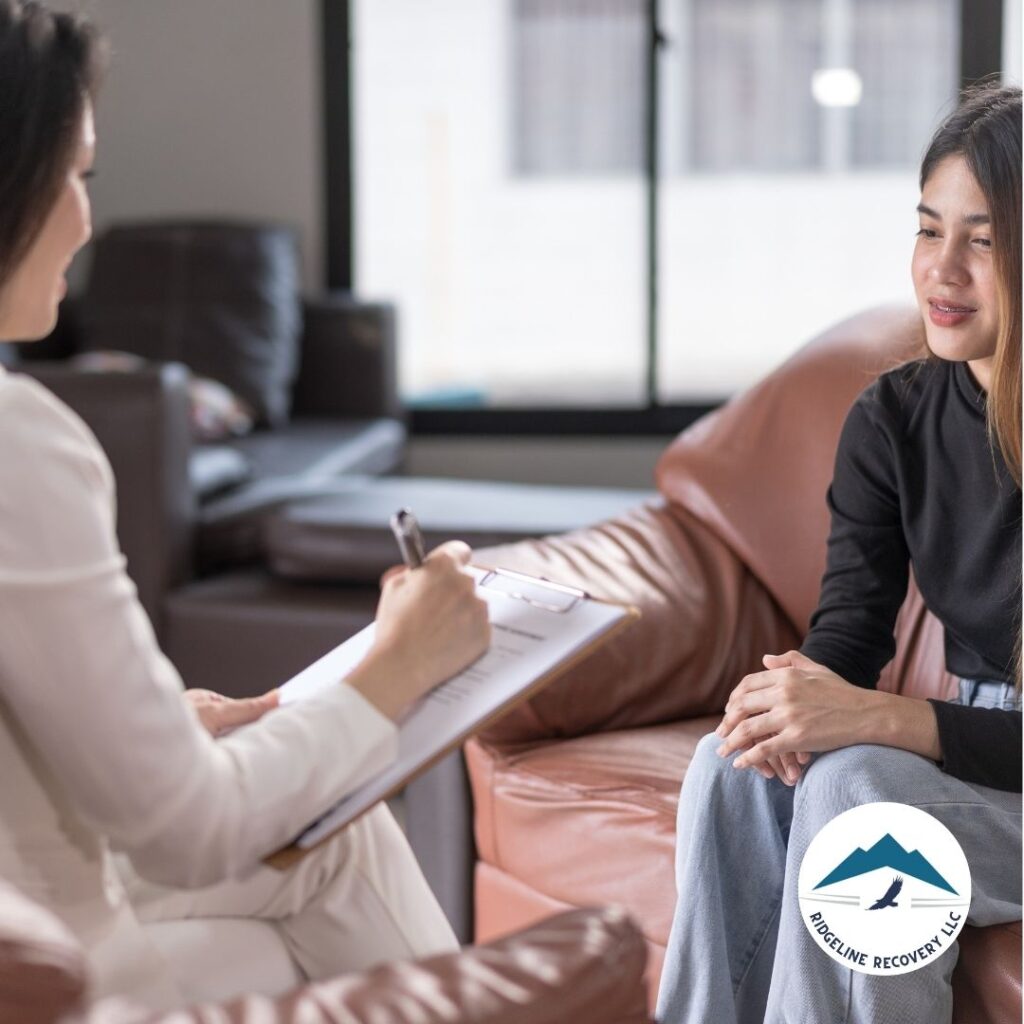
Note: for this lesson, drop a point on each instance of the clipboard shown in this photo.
(540, 630)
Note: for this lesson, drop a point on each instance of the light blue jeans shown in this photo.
(738, 951)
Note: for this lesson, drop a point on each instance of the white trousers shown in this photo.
(358, 900)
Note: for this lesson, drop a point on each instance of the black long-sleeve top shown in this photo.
(917, 483)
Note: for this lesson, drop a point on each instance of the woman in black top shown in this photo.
(927, 476)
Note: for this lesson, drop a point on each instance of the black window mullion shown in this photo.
(981, 39)
(651, 180)
(336, 92)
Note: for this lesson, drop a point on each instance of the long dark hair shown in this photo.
(985, 130)
(50, 64)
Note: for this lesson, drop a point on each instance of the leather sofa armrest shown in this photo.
(43, 970)
(348, 365)
(141, 420)
(987, 977)
(586, 965)
(705, 622)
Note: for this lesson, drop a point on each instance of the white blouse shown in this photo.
(97, 744)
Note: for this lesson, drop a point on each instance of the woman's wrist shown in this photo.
(906, 723)
(382, 677)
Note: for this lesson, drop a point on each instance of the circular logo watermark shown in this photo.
(884, 888)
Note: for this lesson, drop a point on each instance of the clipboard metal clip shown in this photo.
(542, 594)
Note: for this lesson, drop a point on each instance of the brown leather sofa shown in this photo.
(575, 792)
(584, 966)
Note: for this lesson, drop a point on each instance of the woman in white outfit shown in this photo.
(100, 747)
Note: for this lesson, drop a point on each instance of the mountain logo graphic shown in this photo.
(884, 889)
(886, 853)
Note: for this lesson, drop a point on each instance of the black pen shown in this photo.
(410, 540)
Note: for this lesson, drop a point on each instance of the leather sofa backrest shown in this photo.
(348, 362)
(757, 470)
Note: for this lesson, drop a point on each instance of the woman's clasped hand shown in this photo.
(795, 707)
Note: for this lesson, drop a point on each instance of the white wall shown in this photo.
(212, 108)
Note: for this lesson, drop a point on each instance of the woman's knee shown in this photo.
(705, 764)
(865, 773)
(374, 836)
(706, 750)
(710, 777)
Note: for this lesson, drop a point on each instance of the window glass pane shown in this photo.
(578, 81)
(907, 55)
(498, 198)
(749, 64)
(782, 210)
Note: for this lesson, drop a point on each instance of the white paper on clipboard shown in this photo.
(535, 627)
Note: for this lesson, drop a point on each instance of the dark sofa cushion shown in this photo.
(220, 298)
(216, 468)
(244, 632)
(307, 458)
(345, 536)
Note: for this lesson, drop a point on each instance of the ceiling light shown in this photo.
(837, 87)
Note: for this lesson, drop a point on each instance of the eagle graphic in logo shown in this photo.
(889, 899)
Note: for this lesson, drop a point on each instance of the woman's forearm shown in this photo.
(892, 720)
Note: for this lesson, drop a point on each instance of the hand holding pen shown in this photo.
(430, 623)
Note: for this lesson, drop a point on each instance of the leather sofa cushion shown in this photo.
(220, 298)
(347, 536)
(588, 820)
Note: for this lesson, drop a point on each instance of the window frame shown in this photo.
(981, 37)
